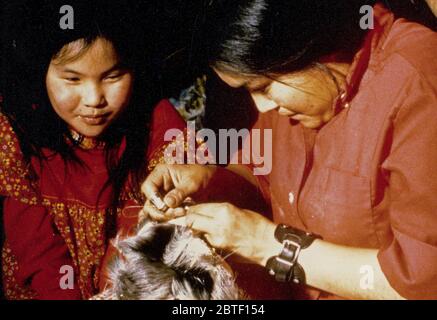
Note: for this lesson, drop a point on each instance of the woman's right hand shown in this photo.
(177, 181)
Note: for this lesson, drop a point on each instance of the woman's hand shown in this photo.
(240, 231)
(175, 182)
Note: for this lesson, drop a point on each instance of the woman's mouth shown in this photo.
(286, 113)
(297, 117)
(292, 115)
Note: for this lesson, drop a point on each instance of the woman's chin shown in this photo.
(312, 125)
(307, 122)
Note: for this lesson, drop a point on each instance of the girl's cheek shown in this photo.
(119, 93)
(62, 96)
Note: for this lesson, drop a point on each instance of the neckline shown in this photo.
(86, 143)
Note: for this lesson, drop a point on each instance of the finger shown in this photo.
(142, 215)
(181, 221)
(153, 212)
(175, 197)
(155, 181)
(205, 209)
(174, 213)
(200, 222)
(189, 202)
(209, 228)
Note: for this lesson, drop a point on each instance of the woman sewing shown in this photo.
(353, 115)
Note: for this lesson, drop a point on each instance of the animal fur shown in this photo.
(169, 262)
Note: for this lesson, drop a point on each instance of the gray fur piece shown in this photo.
(168, 262)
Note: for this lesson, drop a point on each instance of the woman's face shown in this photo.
(305, 96)
(89, 89)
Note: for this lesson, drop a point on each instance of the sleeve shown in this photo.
(39, 249)
(409, 258)
(164, 117)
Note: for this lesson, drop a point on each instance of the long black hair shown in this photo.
(32, 36)
(268, 37)
(274, 36)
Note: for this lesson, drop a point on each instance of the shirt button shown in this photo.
(291, 198)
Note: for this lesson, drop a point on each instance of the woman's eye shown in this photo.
(263, 90)
(72, 79)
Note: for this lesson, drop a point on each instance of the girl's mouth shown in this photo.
(94, 120)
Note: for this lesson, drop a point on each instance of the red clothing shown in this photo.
(368, 178)
(55, 222)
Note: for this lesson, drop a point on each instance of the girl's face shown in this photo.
(306, 96)
(89, 89)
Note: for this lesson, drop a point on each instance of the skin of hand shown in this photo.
(329, 267)
(177, 182)
(240, 231)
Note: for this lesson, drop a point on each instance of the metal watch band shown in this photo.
(285, 267)
(305, 238)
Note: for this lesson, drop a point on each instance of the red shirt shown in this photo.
(368, 178)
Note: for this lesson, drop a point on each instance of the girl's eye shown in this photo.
(113, 76)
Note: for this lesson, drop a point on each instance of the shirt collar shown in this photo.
(372, 46)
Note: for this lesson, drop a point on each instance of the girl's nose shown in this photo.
(93, 96)
(263, 103)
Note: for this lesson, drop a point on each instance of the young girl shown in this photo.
(73, 141)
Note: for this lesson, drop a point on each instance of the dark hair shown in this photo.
(32, 37)
(276, 36)
(413, 10)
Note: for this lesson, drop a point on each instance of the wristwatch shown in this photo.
(285, 267)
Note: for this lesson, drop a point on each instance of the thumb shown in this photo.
(175, 197)
(154, 182)
(179, 194)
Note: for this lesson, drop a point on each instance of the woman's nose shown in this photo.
(263, 103)
(92, 96)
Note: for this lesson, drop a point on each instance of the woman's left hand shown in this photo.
(241, 231)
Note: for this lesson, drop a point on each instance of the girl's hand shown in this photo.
(244, 232)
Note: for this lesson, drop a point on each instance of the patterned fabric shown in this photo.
(13, 291)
